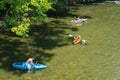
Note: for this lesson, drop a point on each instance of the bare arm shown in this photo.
(32, 63)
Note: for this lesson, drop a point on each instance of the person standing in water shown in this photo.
(30, 62)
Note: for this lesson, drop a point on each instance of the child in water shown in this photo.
(76, 40)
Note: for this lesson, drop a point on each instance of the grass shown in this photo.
(98, 60)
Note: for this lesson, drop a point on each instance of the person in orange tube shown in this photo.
(76, 40)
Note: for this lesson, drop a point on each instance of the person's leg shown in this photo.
(28, 67)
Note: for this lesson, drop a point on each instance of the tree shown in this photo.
(20, 13)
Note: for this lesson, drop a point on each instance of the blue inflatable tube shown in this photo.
(22, 66)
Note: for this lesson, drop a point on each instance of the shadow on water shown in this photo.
(67, 14)
(43, 37)
(50, 35)
(69, 10)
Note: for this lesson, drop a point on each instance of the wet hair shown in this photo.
(34, 57)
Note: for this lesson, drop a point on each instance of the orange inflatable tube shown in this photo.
(76, 40)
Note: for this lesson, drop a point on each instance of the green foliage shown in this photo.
(61, 8)
(10, 21)
(23, 28)
(20, 13)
